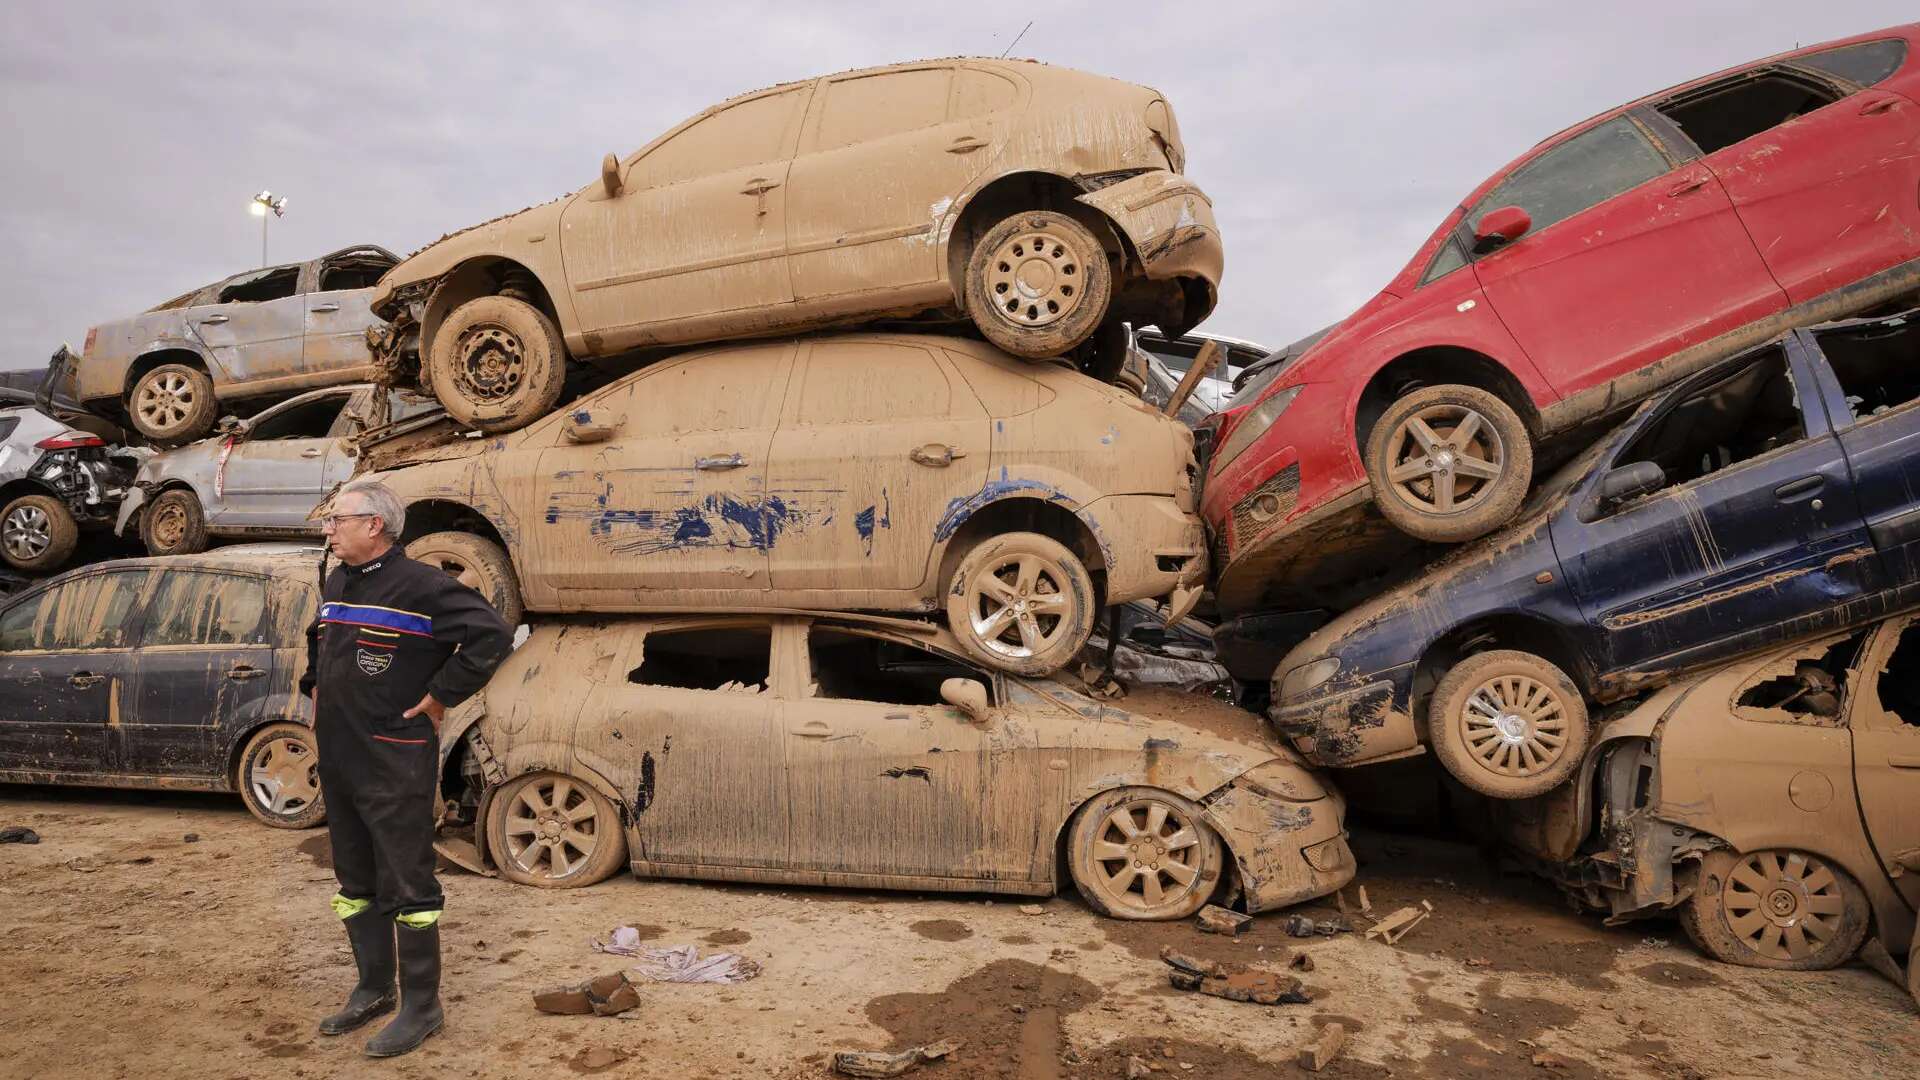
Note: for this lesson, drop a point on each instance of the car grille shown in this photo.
(1266, 505)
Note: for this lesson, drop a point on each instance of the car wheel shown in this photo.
(497, 364)
(278, 777)
(1775, 909)
(174, 524)
(1022, 603)
(554, 832)
(1142, 853)
(1508, 724)
(173, 404)
(37, 533)
(1038, 284)
(479, 564)
(1449, 463)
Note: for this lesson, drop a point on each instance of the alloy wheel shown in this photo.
(1019, 605)
(165, 402)
(1445, 458)
(552, 828)
(1146, 856)
(27, 532)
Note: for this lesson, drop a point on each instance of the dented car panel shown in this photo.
(1168, 221)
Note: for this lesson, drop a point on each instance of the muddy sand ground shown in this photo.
(133, 951)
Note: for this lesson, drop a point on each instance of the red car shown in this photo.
(1605, 263)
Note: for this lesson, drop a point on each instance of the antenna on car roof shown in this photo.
(1016, 39)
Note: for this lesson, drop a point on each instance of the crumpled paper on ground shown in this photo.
(681, 964)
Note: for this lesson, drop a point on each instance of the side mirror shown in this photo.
(967, 695)
(583, 427)
(610, 175)
(1628, 481)
(1500, 226)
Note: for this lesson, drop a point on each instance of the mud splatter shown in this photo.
(728, 936)
(1008, 1012)
(942, 929)
(319, 848)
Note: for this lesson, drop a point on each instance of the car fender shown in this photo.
(287, 704)
(176, 343)
(1014, 481)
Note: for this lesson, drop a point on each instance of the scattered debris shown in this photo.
(684, 964)
(1302, 927)
(18, 834)
(1366, 905)
(1138, 1069)
(1544, 1060)
(190, 838)
(1320, 1052)
(1218, 920)
(83, 864)
(1237, 983)
(1032, 909)
(607, 995)
(872, 1063)
(624, 941)
(1301, 962)
(1395, 926)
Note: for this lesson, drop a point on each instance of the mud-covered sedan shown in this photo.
(867, 752)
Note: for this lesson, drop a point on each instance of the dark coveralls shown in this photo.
(390, 632)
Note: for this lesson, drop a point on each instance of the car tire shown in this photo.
(1508, 724)
(988, 594)
(533, 840)
(37, 534)
(1143, 853)
(172, 404)
(174, 524)
(497, 364)
(1417, 469)
(476, 562)
(1038, 284)
(278, 776)
(1757, 909)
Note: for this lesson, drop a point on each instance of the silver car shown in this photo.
(55, 480)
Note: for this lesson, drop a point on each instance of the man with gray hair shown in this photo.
(395, 644)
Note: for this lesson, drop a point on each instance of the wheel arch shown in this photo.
(1515, 630)
(1026, 189)
(169, 353)
(425, 516)
(1062, 868)
(1435, 364)
(25, 485)
(483, 275)
(1023, 514)
(280, 708)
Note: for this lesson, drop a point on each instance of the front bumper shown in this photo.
(1351, 725)
(1169, 221)
(1152, 548)
(1286, 852)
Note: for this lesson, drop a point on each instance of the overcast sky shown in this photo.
(1332, 137)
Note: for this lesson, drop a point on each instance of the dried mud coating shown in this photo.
(1001, 1044)
(946, 930)
(728, 937)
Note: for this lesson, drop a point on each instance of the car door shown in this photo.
(206, 659)
(698, 228)
(871, 742)
(1756, 533)
(1632, 255)
(1873, 370)
(255, 327)
(672, 507)
(64, 650)
(338, 310)
(1884, 719)
(1821, 172)
(878, 440)
(278, 467)
(883, 157)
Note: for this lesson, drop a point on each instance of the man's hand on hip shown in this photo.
(432, 708)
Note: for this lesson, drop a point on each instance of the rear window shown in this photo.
(1719, 116)
(1866, 63)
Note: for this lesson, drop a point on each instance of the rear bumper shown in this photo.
(1169, 222)
(1152, 548)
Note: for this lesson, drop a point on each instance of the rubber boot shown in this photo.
(371, 935)
(420, 1015)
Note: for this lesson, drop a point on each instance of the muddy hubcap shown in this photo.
(492, 363)
(1514, 726)
(1035, 278)
(1782, 905)
(1019, 606)
(28, 533)
(169, 525)
(1147, 856)
(165, 402)
(552, 828)
(1444, 459)
(285, 777)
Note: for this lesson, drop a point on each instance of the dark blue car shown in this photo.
(1772, 496)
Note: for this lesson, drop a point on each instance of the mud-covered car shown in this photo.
(852, 472)
(1039, 202)
(1772, 496)
(179, 673)
(243, 341)
(867, 752)
(55, 480)
(1772, 804)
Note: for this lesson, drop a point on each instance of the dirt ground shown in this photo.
(170, 936)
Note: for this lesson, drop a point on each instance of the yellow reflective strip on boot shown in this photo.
(419, 920)
(346, 907)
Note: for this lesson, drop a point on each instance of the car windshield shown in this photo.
(1258, 375)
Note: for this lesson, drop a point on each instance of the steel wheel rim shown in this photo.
(1146, 856)
(165, 402)
(544, 837)
(1036, 277)
(1514, 726)
(169, 525)
(1023, 597)
(1783, 906)
(492, 362)
(28, 533)
(285, 776)
(1440, 449)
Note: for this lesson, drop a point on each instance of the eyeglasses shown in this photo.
(332, 521)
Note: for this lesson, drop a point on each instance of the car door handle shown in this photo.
(759, 185)
(1878, 106)
(1799, 487)
(1691, 183)
(720, 464)
(213, 320)
(312, 452)
(80, 680)
(325, 307)
(1904, 761)
(965, 144)
(242, 672)
(936, 455)
(813, 729)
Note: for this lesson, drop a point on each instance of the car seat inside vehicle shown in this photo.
(1743, 414)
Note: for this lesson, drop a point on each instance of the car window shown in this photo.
(853, 666)
(275, 284)
(730, 659)
(1898, 685)
(91, 612)
(1802, 687)
(875, 106)
(354, 270)
(1445, 261)
(749, 133)
(7, 424)
(200, 608)
(1878, 366)
(719, 392)
(1584, 171)
(308, 420)
(1717, 116)
(1866, 63)
(1749, 411)
(20, 623)
(976, 93)
(872, 383)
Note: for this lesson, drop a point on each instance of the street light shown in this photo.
(262, 203)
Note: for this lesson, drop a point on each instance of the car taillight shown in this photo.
(70, 440)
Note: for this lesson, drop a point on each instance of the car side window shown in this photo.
(198, 608)
(871, 382)
(20, 624)
(1878, 366)
(749, 133)
(856, 667)
(7, 424)
(276, 284)
(977, 93)
(734, 659)
(310, 420)
(870, 107)
(1717, 116)
(1898, 684)
(1445, 261)
(354, 270)
(1804, 687)
(718, 392)
(1585, 171)
(1866, 63)
(1743, 414)
(91, 612)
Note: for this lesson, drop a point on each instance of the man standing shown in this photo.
(395, 644)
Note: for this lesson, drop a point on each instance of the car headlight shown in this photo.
(1306, 677)
(1253, 425)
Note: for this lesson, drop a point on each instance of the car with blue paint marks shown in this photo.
(1773, 496)
(877, 472)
